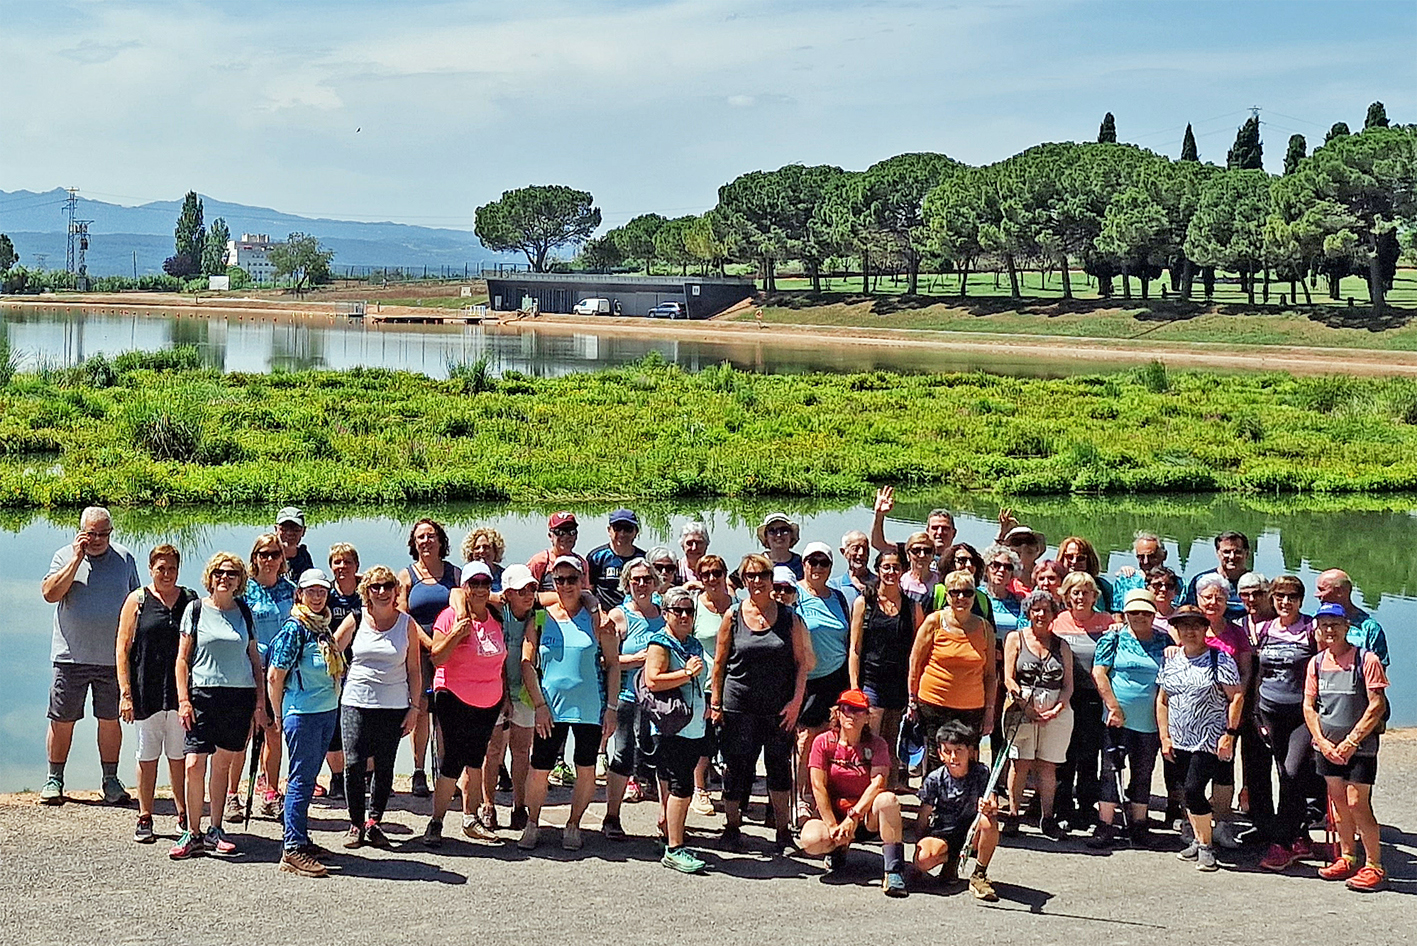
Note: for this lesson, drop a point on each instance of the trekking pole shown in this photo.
(258, 741)
(1118, 755)
(1015, 709)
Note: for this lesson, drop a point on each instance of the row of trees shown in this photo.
(197, 250)
(1115, 210)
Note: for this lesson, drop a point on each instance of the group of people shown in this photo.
(665, 671)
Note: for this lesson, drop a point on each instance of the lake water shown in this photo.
(66, 336)
(1301, 541)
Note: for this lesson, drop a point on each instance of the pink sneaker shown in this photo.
(1278, 858)
(1302, 849)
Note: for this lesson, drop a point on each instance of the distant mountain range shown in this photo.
(36, 223)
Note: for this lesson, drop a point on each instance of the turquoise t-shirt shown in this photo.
(679, 654)
(270, 608)
(1007, 614)
(830, 628)
(569, 656)
(309, 688)
(638, 631)
(219, 653)
(1134, 665)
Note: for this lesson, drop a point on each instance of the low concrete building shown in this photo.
(702, 296)
(252, 254)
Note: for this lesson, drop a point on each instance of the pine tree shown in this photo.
(1298, 148)
(1338, 130)
(1188, 146)
(1248, 151)
(190, 239)
(1108, 131)
(1377, 116)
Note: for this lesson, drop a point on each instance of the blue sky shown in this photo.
(418, 112)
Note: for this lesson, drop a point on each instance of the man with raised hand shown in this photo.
(88, 582)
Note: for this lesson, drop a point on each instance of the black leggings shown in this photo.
(1079, 780)
(465, 732)
(1291, 744)
(369, 734)
(742, 737)
(675, 759)
(1196, 770)
(632, 744)
(1137, 751)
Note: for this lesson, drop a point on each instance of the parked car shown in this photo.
(669, 310)
(592, 307)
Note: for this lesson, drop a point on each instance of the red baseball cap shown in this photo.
(853, 698)
(561, 520)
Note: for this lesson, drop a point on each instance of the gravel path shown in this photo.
(72, 875)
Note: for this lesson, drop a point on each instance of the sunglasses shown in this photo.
(643, 579)
(780, 530)
(713, 573)
(1163, 586)
(851, 710)
(961, 592)
(269, 553)
(920, 550)
(1003, 566)
(225, 573)
(382, 587)
(756, 576)
(479, 583)
(566, 579)
(666, 568)
(816, 561)
(785, 589)
(571, 530)
(623, 527)
(681, 611)
(1286, 595)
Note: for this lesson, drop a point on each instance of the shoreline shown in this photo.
(1294, 359)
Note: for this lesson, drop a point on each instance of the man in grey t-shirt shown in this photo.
(88, 582)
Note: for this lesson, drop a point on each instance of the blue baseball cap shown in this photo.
(624, 515)
(1331, 610)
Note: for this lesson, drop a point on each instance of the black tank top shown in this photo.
(152, 660)
(886, 640)
(762, 669)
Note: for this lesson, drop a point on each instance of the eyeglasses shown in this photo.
(780, 530)
(961, 592)
(816, 561)
(892, 567)
(225, 573)
(713, 573)
(1287, 595)
(382, 587)
(479, 583)
(682, 611)
(269, 553)
(756, 576)
(566, 579)
(643, 579)
(100, 533)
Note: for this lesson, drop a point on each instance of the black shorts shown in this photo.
(932, 717)
(675, 760)
(545, 753)
(821, 696)
(955, 838)
(1360, 770)
(221, 719)
(72, 683)
(464, 732)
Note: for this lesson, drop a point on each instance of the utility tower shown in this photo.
(78, 238)
(70, 206)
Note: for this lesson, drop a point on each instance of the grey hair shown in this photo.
(1212, 580)
(941, 514)
(996, 550)
(677, 597)
(628, 567)
(1252, 580)
(1146, 536)
(1036, 597)
(660, 552)
(855, 535)
(94, 514)
(693, 527)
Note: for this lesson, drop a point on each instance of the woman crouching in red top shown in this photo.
(849, 766)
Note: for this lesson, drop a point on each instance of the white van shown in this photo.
(592, 307)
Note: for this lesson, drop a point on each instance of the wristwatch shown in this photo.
(1231, 732)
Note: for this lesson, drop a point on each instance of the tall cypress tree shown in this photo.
(1298, 148)
(190, 238)
(1377, 116)
(1108, 130)
(1188, 146)
(1247, 154)
(1337, 130)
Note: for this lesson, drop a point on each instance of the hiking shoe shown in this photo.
(433, 834)
(561, 775)
(633, 793)
(1278, 858)
(336, 786)
(832, 862)
(271, 805)
(475, 829)
(114, 793)
(143, 831)
(612, 829)
(374, 836)
(1225, 835)
(1052, 830)
(981, 888)
(216, 842)
(1341, 869)
(299, 861)
(571, 839)
(1205, 858)
(893, 884)
(354, 837)
(1302, 848)
(234, 809)
(732, 837)
(189, 845)
(1189, 852)
(1009, 825)
(1103, 835)
(519, 817)
(1367, 879)
(602, 765)
(949, 870)
(53, 792)
(784, 844)
(683, 860)
(319, 791)
(531, 837)
(419, 789)
(702, 803)
(1140, 836)
(487, 814)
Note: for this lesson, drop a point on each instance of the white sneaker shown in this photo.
(702, 803)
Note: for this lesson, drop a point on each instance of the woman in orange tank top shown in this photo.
(952, 665)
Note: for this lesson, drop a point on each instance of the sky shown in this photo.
(418, 112)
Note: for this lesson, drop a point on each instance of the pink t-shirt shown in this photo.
(473, 671)
(1232, 640)
(1373, 673)
(847, 767)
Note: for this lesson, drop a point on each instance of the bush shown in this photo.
(1153, 377)
(99, 372)
(9, 360)
(472, 377)
(166, 428)
(181, 358)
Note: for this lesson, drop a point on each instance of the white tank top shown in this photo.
(378, 671)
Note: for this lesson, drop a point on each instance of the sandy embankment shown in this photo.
(1295, 359)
